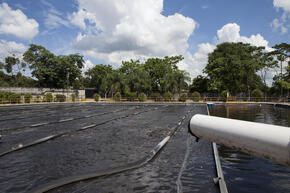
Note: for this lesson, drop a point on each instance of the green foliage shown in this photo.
(53, 71)
(9, 97)
(167, 96)
(183, 97)
(225, 94)
(60, 98)
(142, 97)
(195, 96)
(279, 85)
(73, 97)
(96, 97)
(131, 96)
(99, 77)
(257, 94)
(4, 97)
(233, 66)
(159, 68)
(27, 97)
(200, 84)
(14, 98)
(48, 97)
(135, 77)
(10, 61)
(22, 81)
(156, 97)
(38, 99)
(117, 97)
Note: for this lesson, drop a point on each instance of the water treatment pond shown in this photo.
(245, 173)
(94, 137)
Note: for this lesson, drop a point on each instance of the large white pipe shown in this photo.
(263, 140)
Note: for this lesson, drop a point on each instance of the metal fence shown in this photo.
(25, 100)
(41, 99)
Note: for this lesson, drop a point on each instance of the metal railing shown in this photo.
(23, 100)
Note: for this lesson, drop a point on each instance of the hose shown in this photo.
(133, 165)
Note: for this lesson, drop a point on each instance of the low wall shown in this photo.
(42, 91)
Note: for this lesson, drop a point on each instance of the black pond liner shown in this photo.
(51, 137)
(107, 172)
(201, 149)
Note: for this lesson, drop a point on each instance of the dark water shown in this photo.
(246, 173)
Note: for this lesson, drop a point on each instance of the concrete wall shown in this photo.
(42, 91)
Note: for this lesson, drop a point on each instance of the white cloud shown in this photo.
(278, 25)
(120, 30)
(53, 18)
(194, 64)
(282, 24)
(15, 22)
(231, 33)
(87, 65)
(8, 48)
(284, 4)
(115, 31)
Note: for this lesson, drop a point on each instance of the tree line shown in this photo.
(237, 68)
(240, 68)
(65, 71)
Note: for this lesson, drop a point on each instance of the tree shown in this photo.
(100, 77)
(69, 67)
(54, 71)
(43, 64)
(158, 68)
(170, 83)
(233, 67)
(200, 84)
(136, 78)
(267, 62)
(182, 78)
(282, 53)
(10, 62)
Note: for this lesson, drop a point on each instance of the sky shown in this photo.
(112, 31)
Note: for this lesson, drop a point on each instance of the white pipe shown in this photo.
(263, 140)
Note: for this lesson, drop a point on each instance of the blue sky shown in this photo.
(109, 31)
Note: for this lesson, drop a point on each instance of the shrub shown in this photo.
(131, 96)
(167, 96)
(60, 98)
(142, 97)
(73, 97)
(195, 96)
(14, 98)
(257, 94)
(117, 97)
(48, 97)
(4, 96)
(96, 97)
(183, 97)
(224, 95)
(38, 98)
(27, 97)
(156, 96)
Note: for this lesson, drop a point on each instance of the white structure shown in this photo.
(263, 140)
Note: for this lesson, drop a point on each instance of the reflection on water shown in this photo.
(246, 173)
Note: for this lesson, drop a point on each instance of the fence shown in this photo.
(36, 99)
(247, 99)
(41, 99)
